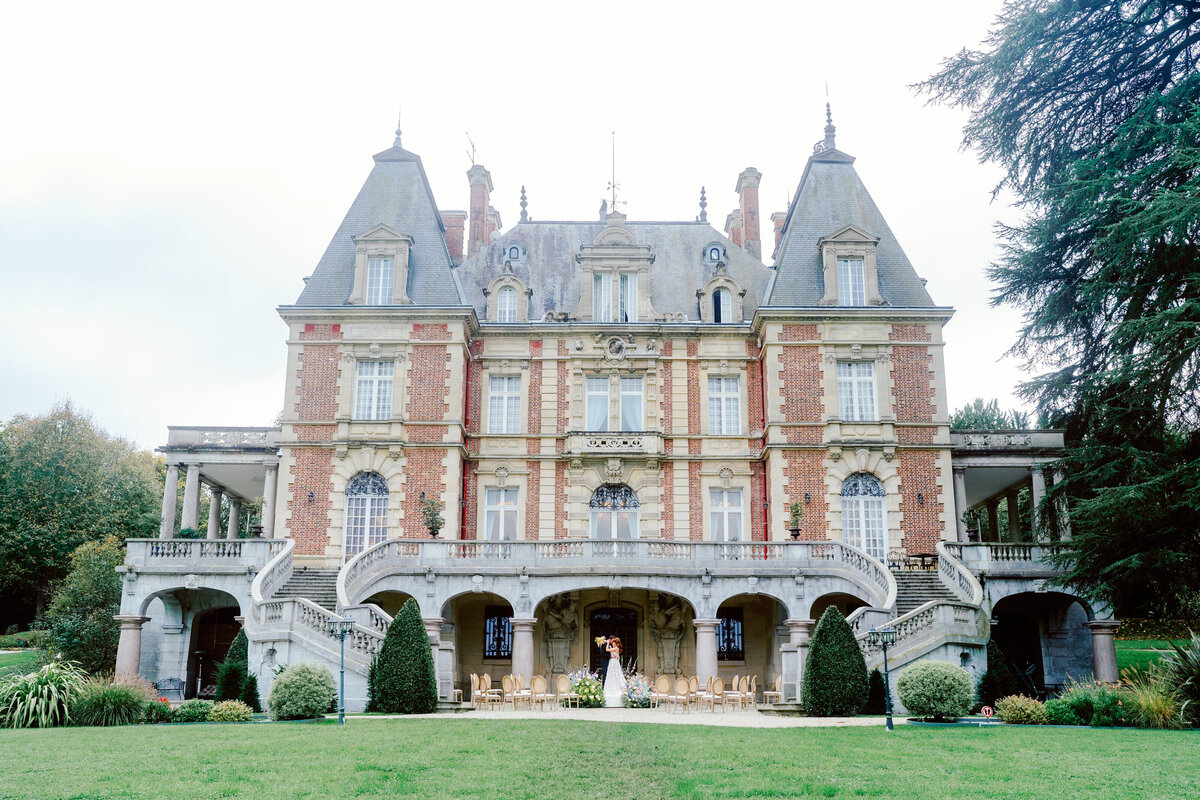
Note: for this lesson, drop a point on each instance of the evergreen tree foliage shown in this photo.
(230, 677)
(239, 648)
(979, 415)
(235, 681)
(80, 617)
(876, 694)
(1092, 111)
(249, 693)
(999, 680)
(835, 674)
(401, 679)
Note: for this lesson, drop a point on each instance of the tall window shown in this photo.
(497, 632)
(722, 306)
(381, 277)
(597, 404)
(856, 391)
(629, 297)
(862, 514)
(601, 297)
(373, 389)
(725, 514)
(724, 406)
(731, 646)
(504, 404)
(851, 290)
(614, 509)
(366, 512)
(631, 404)
(501, 515)
(506, 305)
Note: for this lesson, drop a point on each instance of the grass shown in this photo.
(19, 662)
(1139, 654)
(546, 759)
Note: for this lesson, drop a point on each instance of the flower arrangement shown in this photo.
(586, 684)
(638, 690)
(600, 640)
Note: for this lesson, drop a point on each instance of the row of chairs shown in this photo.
(685, 693)
(515, 693)
(682, 693)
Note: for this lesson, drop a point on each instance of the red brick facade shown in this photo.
(430, 332)
(754, 396)
(471, 500)
(317, 390)
(424, 471)
(799, 333)
(313, 433)
(912, 384)
(560, 499)
(910, 333)
(804, 472)
(905, 435)
(696, 524)
(535, 389)
(308, 524)
(667, 493)
(428, 383)
(800, 377)
(757, 499)
(533, 494)
(922, 524)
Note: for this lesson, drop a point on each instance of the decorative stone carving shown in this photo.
(666, 627)
(993, 440)
(562, 623)
(191, 581)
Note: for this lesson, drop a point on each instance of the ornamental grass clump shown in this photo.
(301, 691)
(1152, 702)
(1017, 709)
(230, 711)
(104, 703)
(934, 690)
(41, 699)
(1181, 672)
(835, 674)
(194, 710)
(402, 679)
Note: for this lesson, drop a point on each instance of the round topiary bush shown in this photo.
(230, 711)
(302, 691)
(835, 674)
(194, 710)
(1018, 709)
(935, 690)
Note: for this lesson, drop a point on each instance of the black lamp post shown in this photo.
(885, 637)
(339, 629)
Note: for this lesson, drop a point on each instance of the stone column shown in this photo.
(1037, 493)
(191, 499)
(522, 646)
(706, 649)
(268, 507)
(993, 512)
(799, 631)
(129, 646)
(1104, 650)
(1014, 518)
(235, 512)
(960, 501)
(166, 530)
(1062, 510)
(214, 515)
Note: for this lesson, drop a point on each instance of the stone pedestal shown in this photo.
(129, 646)
(706, 649)
(522, 646)
(1104, 650)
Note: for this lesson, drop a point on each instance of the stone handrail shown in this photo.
(303, 617)
(957, 578)
(216, 552)
(368, 615)
(994, 556)
(274, 574)
(937, 615)
(867, 617)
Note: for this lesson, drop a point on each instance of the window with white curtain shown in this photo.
(856, 391)
(631, 404)
(722, 306)
(506, 305)
(500, 507)
(373, 383)
(724, 406)
(381, 278)
(601, 297)
(629, 296)
(851, 291)
(366, 512)
(725, 514)
(597, 404)
(863, 514)
(614, 512)
(504, 404)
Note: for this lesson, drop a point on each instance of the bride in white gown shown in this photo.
(614, 678)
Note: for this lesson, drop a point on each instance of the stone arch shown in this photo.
(615, 235)
(179, 600)
(465, 616)
(705, 294)
(758, 619)
(1043, 636)
(878, 464)
(390, 601)
(845, 602)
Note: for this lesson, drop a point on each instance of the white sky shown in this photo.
(168, 175)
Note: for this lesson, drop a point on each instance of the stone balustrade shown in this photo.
(615, 443)
(194, 555)
(1015, 559)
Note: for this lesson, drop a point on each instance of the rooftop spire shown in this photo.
(397, 142)
(830, 130)
(703, 207)
(524, 204)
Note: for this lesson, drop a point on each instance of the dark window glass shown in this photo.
(730, 644)
(497, 632)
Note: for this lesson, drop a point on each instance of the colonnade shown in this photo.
(191, 502)
(1037, 492)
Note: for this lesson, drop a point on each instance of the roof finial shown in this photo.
(830, 130)
(524, 204)
(397, 142)
(703, 207)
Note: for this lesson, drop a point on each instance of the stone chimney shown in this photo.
(778, 218)
(481, 195)
(455, 222)
(733, 227)
(747, 189)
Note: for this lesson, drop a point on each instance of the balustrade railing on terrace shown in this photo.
(200, 552)
(992, 556)
(299, 616)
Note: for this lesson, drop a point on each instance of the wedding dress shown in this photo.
(614, 683)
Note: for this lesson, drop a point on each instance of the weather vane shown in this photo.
(471, 150)
(614, 184)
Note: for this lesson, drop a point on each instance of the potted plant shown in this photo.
(431, 515)
(796, 511)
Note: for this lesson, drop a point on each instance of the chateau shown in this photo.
(696, 440)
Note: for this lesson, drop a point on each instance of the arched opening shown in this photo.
(1042, 637)
(213, 631)
(863, 519)
(749, 635)
(389, 601)
(842, 601)
(366, 512)
(480, 624)
(506, 305)
(614, 512)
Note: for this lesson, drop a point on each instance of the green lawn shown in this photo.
(1141, 653)
(457, 757)
(20, 661)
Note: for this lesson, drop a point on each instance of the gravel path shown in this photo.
(730, 719)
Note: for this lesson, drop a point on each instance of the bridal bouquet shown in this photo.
(600, 640)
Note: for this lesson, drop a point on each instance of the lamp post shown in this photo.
(885, 637)
(339, 629)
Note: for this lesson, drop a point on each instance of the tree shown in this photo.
(835, 674)
(80, 616)
(980, 416)
(1092, 110)
(63, 482)
(235, 681)
(876, 694)
(401, 679)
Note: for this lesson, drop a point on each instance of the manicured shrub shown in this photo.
(249, 693)
(835, 674)
(194, 710)
(230, 711)
(239, 649)
(1151, 702)
(876, 694)
(1097, 704)
(999, 680)
(1017, 709)
(157, 711)
(104, 703)
(1059, 712)
(402, 678)
(1110, 711)
(41, 699)
(935, 690)
(230, 677)
(1181, 672)
(301, 691)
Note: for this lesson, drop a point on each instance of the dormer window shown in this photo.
(722, 305)
(848, 267)
(381, 276)
(381, 267)
(851, 289)
(713, 254)
(514, 253)
(507, 299)
(506, 305)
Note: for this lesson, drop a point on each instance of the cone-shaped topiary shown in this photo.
(230, 677)
(835, 674)
(999, 680)
(876, 694)
(249, 694)
(239, 648)
(402, 678)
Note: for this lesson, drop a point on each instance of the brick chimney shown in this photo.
(778, 218)
(747, 189)
(481, 194)
(733, 227)
(455, 222)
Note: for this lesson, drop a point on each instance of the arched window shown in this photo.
(366, 512)
(506, 305)
(863, 514)
(614, 510)
(714, 254)
(514, 253)
(722, 306)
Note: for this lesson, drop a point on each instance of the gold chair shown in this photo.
(662, 691)
(522, 692)
(770, 697)
(680, 695)
(537, 692)
(750, 692)
(565, 693)
(491, 696)
(716, 697)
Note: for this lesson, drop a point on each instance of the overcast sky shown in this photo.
(168, 175)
